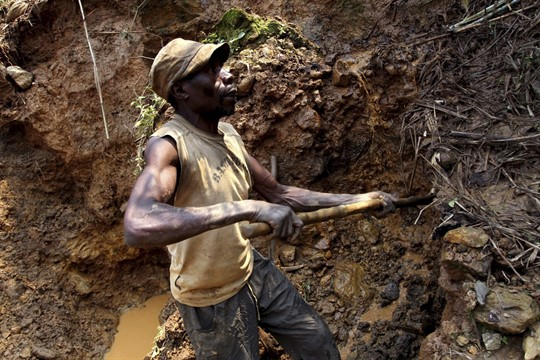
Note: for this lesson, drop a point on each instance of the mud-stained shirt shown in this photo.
(213, 266)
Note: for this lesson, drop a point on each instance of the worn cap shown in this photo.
(180, 58)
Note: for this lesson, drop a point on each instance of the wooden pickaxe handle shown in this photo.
(250, 231)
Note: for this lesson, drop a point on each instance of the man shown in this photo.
(191, 197)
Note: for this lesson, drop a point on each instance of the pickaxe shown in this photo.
(250, 231)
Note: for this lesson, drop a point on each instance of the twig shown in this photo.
(477, 24)
(416, 142)
(422, 210)
(483, 15)
(96, 73)
(491, 138)
(292, 268)
(441, 108)
(116, 32)
(141, 5)
(506, 260)
(420, 42)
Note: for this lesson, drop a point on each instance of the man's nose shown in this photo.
(226, 77)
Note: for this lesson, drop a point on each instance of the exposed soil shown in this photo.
(380, 96)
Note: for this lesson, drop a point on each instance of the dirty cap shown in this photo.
(179, 59)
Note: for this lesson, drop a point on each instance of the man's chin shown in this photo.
(226, 110)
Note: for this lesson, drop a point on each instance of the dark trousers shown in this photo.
(229, 330)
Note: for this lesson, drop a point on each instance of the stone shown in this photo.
(81, 283)
(287, 254)
(326, 308)
(370, 232)
(308, 119)
(21, 77)
(323, 243)
(471, 237)
(43, 353)
(492, 341)
(389, 293)
(531, 343)
(507, 311)
(462, 340)
(470, 262)
(245, 86)
(341, 72)
(26, 353)
(481, 291)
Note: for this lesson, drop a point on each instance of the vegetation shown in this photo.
(240, 29)
(149, 105)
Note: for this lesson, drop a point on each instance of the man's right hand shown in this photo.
(282, 219)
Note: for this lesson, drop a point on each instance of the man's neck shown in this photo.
(200, 122)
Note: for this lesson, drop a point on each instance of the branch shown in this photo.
(96, 73)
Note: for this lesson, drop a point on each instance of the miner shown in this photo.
(192, 197)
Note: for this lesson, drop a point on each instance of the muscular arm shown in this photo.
(300, 199)
(150, 221)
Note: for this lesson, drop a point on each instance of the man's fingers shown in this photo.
(297, 229)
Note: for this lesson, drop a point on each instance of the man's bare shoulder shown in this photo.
(161, 150)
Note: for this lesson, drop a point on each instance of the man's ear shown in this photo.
(178, 92)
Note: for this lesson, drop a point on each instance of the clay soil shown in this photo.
(376, 96)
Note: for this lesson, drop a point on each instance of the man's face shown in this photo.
(211, 91)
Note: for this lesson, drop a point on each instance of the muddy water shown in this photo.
(137, 330)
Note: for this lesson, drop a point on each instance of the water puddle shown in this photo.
(137, 330)
(375, 313)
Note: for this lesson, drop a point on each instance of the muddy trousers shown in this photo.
(229, 330)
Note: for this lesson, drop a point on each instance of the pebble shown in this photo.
(492, 341)
(391, 291)
(43, 353)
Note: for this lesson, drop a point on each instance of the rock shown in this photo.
(492, 341)
(245, 86)
(326, 308)
(462, 340)
(26, 353)
(389, 294)
(323, 243)
(507, 311)
(473, 350)
(308, 119)
(21, 77)
(481, 291)
(81, 283)
(326, 281)
(43, 353)
(16, 10)
(531, 343)
(469, 262)
(341, 72)
(369, 232)
(471, 237)
(287, 254)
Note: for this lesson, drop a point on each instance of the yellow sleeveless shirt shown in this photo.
(215, 265)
